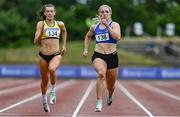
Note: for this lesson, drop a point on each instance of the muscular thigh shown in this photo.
(100, 65)
(54, 63)
(43, 65)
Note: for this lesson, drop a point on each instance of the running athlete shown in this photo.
(105, 58)
(47, 36)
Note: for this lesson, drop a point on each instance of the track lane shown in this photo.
(11, 96)
(158, 104)
(67, 100)
(6, 83)
(121, 106)
(70, 96)
(171, 87)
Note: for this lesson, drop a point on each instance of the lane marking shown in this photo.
(160, 83)
(36, 96)
(177, 82)
(125, 91)
(13, 89)
(87, 92)
(11, 82)
(103, 116)
(149, 87)
(117, 116)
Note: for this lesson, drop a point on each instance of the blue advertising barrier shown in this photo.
(89, 72)
(150, 73)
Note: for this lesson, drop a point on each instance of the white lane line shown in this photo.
(11, 82)
(115, 116)
(13, 89)
(178, 82)
(122, 88)
(87, 92)
(149, 87)
(118, 116)
(162, 83)
(36, 96)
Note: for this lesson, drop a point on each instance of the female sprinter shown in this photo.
(47, 37)
(105, 58)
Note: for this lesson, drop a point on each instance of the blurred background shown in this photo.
(150, 31)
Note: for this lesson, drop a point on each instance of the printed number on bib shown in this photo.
(102, 37)
(52, 32)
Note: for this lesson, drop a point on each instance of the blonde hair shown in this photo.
(104, 5)
(42, 10)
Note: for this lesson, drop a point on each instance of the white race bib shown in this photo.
(102, 37)
(52, 32)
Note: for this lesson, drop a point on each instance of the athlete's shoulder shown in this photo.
(93, 26)
(115, 23)
(60, 23)
(40, 24)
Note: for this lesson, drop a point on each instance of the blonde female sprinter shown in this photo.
(105, 58)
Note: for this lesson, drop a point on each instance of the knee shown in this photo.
(52, 69)
(101, 74)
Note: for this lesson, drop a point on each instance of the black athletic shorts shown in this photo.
(111, 60)
(48, 58)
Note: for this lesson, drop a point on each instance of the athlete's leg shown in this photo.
(111, 76)
(43, 65)
(53, 65)
(100, 67)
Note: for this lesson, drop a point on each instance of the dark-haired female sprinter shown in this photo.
(47, 36)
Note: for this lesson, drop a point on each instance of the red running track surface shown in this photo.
(77, 98)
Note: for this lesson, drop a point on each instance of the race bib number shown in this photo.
(52, 32)
(102, 37)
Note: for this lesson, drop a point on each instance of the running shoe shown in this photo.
(99, 106)
(52, 97)
(109, 100)
(46, 107)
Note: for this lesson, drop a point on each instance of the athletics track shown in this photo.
(20, 97)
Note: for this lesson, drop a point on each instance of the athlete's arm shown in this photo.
(114, 31)
(87, 40)
(64, 36)
(39, 28)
